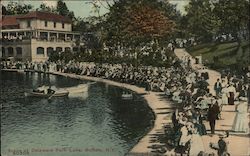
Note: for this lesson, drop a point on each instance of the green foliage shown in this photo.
(81, 25)
(219, 56)
(132, 21)
(201, 20)
(54, 57)
(43, 7)
(14, 8)
(233, 14)
(208, 18)
(62, 8)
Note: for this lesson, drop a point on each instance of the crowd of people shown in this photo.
(180, 83)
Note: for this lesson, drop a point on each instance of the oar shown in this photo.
(51, 96)
(91, 83)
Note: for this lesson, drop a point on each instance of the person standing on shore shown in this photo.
(222, 145)
(212, 115)
(232, 91)
(240, 123)
(224, 96)
(218, 87)
(196, 143)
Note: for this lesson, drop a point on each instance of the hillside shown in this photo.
(223, 55)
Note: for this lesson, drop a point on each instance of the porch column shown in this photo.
(14, 52)
(48, 37)
(45, 52)
(37, 34)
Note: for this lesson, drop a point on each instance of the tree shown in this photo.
(81, 25)
(63, 10)
(145, 21)
(201, 21)
(45, 8)
(234, 16)
(4, 10)
(14, 8)
(136, 21)
(133, 24)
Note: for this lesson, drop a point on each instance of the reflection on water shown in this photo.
(95, 123)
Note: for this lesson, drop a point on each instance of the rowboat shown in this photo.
(79, 88)
(127, 96)
(58, 93)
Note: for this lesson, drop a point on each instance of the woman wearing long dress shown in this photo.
(185, 138)
(232, 93)
(241, 119)
(224, 97)
(196, 143)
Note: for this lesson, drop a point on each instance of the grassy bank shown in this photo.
(223, 55)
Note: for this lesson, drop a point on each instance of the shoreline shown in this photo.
(155, 101)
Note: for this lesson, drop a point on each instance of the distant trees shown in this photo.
(63, 10)
(202, 22)
(208, 18)
(133, 24)
(43, 7)
(14, 8)
(143, 20)
(234, 16)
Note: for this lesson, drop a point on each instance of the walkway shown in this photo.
(239, 144)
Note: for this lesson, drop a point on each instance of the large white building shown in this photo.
(34, 36)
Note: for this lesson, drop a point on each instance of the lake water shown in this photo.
(94, 123)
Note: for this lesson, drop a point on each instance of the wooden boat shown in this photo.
(127, 96)
(58, 93)
(79, 88)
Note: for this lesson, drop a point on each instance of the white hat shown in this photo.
(242, 98)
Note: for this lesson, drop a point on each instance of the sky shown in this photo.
(82, 8)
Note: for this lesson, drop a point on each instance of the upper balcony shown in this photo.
(24, 35)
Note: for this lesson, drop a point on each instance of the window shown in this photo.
(28, 24)
(46, 23)
(63, 25)
(54, 24)
(40, 51)
(19, 51)
(58, 49)
(67, 49)
(10, 51)
(50, 50)
(3, 52)
(75, 49)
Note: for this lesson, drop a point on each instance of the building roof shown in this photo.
(46, 16)
(11, 20)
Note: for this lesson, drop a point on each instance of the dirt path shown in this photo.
(239, 143)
